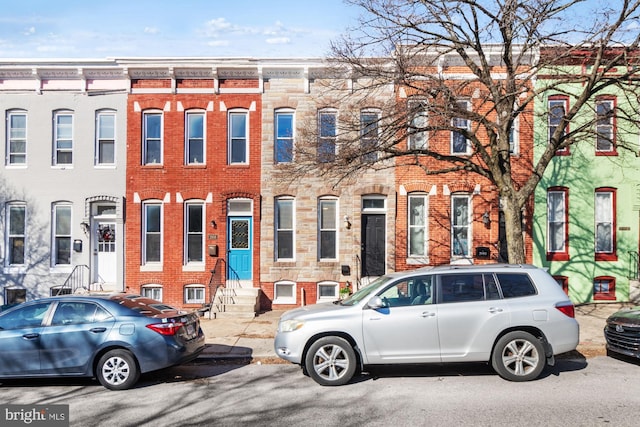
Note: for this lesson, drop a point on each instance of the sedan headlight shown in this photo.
(291, 325)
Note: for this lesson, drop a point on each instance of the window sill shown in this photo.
(61, 269)
(193, 267)
(15, 270)
(417, 261)
(604, 297)
(284, 301)
(606, 257)
(151, 267)
(557, 256)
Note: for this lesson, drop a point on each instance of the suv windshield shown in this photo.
(364, 292)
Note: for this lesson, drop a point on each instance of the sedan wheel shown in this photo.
(518, 356)
(117, 370)
(331, 361)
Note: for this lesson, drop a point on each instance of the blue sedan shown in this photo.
(113, 338)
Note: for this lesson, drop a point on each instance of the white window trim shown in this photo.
(187, 300)
(363, 138)
(335, 228)
(246, 136)
(293, 228)
(333, 138)
(154, 287)
(8, 152)
(55, 163)
(469, 227)
(334, 297)
(99, 114)
(61, 267)
(151, 265)
(15, 268)
(188, 114)
(186, 261)
(145, 138)
(283, 111)
(413, 116)
(288, 299)
(418, 259)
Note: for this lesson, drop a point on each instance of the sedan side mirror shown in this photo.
(376, 302)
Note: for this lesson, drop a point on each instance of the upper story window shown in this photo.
(459, 141)
(327, 135)
(328, 228)
(16, 138)
(605, 126)
(418, 237)
(16, 233)
(63, 138)
(195, 138)
(61, 234)
(194, 232)
(514, 136)
(284, 123)
(152, 232)
(105, 138)
(152, 138)
(285, 246)
(418, 122)
(238, 138)
(557, 107)
(557, 223)
(460, 225)
(605, 224)
(369, 135)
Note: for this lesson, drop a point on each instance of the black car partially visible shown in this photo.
(622, 332)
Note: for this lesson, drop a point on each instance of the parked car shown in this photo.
(622, 332)
(113, 338)
(515, 317)
(6, 307)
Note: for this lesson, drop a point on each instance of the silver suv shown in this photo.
(514, 316)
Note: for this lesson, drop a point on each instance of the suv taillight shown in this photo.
(166, 328)
(567, 309)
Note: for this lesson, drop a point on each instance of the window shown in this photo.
(16, 138)
(284, 228)
(63, 139)
(238, 138)
(460, 226)
(15, 295)
(604, 288)
(62, 235)
(563, 281)
(414, 291)
(369, 135)
(194, 138)
(463, 287)
(16, 224)
(152, 239)
(417, 125)
(105, 138)
(152, 139)
(327, 291)
(152, 291)
(459, 142)
(194, 227)
(327, 136)
(605, 126)
(514, 135)
(328, 228)
(284, 293)
(605, 224)
(194, 294)
(516, 285)
(417, 211)
(558, 106)
(557, 224)
(284, 122)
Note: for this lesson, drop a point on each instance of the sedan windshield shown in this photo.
(364, 292)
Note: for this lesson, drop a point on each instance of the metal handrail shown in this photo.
(75, 280)
(634, 265)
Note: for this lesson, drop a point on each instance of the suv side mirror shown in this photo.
(376, 302)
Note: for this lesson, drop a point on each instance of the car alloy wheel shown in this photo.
(518, 356)
(331, 361)
(117, 370)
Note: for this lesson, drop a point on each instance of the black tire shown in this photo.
(518, 356)
(117, 370)
(331, 361)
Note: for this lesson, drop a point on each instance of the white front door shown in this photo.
(105, 267)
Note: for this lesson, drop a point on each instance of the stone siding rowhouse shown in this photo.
(63, 177)
(193, 178)
(456, 217)
(319, 235)
(587, 205)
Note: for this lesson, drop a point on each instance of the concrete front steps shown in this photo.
(235, 303)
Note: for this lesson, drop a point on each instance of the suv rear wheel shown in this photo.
(518, 356)
(331, 361)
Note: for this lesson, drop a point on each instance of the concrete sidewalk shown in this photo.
(251, 340)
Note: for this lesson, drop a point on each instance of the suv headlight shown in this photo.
(291, 325)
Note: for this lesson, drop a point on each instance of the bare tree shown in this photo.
(503, 47)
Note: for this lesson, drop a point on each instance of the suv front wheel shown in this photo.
(518, 356)
(331, 361)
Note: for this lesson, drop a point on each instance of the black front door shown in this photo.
(373, 242)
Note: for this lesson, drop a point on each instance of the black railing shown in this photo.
(634, 265)
(77, 279)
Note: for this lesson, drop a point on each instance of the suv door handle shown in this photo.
(495, 310)
(31, 336)
(428, 314)
(97, 329)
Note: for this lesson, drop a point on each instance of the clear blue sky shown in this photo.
(215, 28)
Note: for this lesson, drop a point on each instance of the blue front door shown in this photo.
(239, 250)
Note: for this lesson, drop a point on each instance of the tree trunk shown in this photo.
(513, 230)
